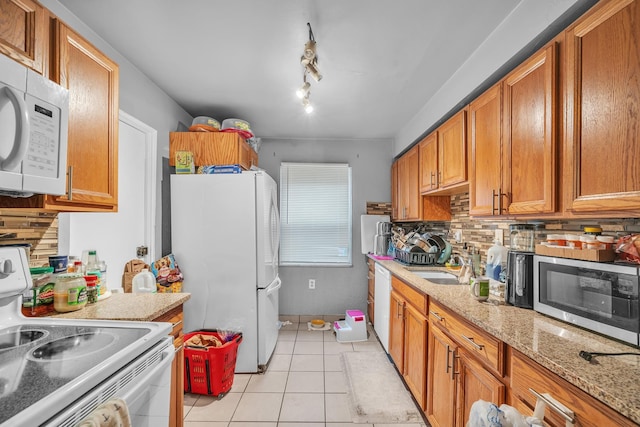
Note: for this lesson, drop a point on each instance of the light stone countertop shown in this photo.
(553, 344)
(131, 307)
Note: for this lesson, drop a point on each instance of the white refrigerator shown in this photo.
(225, 234)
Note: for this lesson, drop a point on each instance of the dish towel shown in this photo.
(486, 414)
(112, 413)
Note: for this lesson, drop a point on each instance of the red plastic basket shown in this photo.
(210, 370)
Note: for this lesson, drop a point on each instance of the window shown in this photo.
(315, 214)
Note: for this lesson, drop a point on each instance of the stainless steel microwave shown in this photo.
(602, 297)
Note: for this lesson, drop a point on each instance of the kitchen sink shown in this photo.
(438, 277)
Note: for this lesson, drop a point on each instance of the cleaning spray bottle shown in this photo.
(496, 258)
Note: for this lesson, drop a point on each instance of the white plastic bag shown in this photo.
(487, 414)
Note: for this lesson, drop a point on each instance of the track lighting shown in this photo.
(304, 90)
(309, 61)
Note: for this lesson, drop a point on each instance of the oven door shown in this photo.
(600, 297)
(144, 385)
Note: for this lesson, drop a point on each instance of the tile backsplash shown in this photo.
(37, 229)
(480, 233)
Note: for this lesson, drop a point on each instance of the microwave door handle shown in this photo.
(522, 267)
(21, 140)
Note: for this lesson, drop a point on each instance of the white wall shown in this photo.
(338, 288)
(139, 97)
(527, 21)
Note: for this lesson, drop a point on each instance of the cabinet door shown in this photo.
(429, 163)
(441, 383)
(475, 383)
(396, 330)
(24, 33)
(452, 151)
(530, 135)
(415, 354)
(409, 187)
(395, 201)
(92, 158)
(485, 164)
(371, 280)
(603, 99)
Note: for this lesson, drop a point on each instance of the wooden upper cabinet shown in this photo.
(24, 33)
(485, 140)
(409, 201)
(429, 163)
(395, 201)
(530, 140)
(92, 158)
(452, 151)
(603, 99)
(513, 141)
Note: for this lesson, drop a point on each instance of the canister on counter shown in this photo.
(69, 292)
(38, 301)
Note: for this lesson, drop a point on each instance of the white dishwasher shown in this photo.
(382, 305)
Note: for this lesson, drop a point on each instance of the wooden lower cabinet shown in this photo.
(527, 375)
(441, 389)
(371, 284)
(396, 330)
(176, 410)
(475, 383)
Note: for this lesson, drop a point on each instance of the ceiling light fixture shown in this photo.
(309, 61)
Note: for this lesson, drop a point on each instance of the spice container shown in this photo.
(69, 292)
(573, 241)
(557, 240)
(593, 231)
(607, 241)
(92, 289)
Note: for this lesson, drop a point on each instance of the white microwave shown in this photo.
(34, 116)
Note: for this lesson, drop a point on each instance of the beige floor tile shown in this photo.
(348, 425)
(337, 408)
(329, 336)
(252, 424)
(332, 362)
(258, 407)
(287, 335)
(206, 424)
(400, 425)
(332, 317)
(305, 319)
(305, 382)
(335, 382)
(337, 347)
(308, 347)
(279, 362)
(269, 382)
(240, 382)
(284, 347)
(302, 407)
(293, 326)
(290, 318)
(307, 362)
(302, 425)
(209, 408)
(306, 335)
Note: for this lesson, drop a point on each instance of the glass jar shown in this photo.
(522, 237)
(593, 231)
(92, 289)
(69, 292)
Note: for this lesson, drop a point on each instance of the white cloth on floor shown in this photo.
(487, 414)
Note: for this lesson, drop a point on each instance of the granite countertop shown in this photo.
(131, 307)
(551, 343)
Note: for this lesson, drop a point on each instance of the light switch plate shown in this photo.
(500, 235)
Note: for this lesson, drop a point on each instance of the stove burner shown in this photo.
(14, 339)
(73, 346)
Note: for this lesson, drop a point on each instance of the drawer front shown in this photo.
(483, 346)
(528, 375)
(175, 317)
(411, 295)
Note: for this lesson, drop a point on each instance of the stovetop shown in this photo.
(37, 360)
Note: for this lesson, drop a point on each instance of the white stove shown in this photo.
(54, 372)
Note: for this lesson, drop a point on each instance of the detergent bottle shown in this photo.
(496, 259)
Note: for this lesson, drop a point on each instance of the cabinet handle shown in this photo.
(473, 343)
(431, 183)
(436, 315)
(70, 183)
(558, 407)
(453, 365)
(500, 201)
(493, 201)
(448, 367)
(399, 310)
(439, 180)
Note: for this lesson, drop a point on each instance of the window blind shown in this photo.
(315, 214)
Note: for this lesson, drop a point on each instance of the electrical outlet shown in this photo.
(312, 284)
(500, 236)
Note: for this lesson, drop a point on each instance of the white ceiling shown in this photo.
(381, 60)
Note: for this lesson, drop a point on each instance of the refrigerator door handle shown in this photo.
(275, 244)
(274, 286)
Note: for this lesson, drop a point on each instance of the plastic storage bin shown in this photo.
(209, 370)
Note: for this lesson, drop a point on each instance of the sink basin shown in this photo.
(438, 277)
